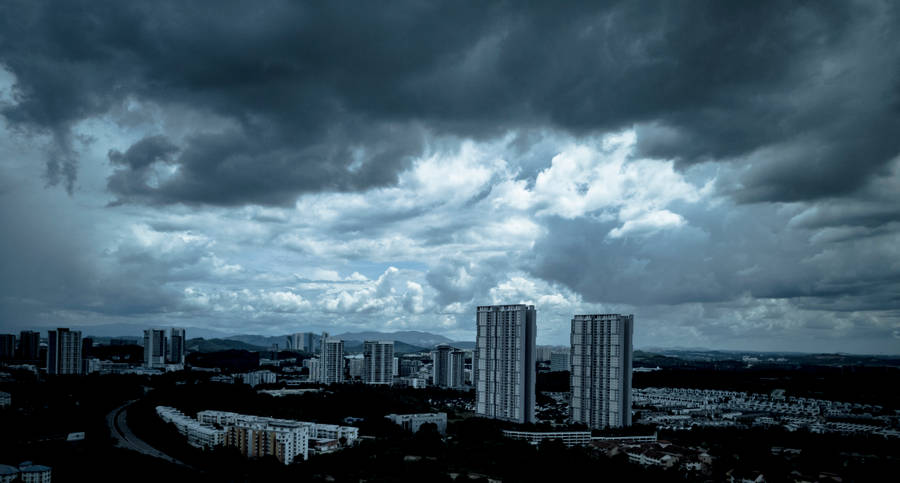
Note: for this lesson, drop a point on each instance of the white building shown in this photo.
(198, 434)
(64, 351)
(504, 362)
(154, 348)
(378, 357)
(413, 422)
(331, 360)
(601, 370)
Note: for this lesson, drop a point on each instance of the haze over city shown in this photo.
(729, 174)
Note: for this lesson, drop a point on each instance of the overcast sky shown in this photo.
(728, 173)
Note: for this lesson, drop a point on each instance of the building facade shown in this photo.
(409, 367)
(64, 351)
(559, 361)
(29, 345)
(154, 348)
(504, 362)
(378, 362)
(601, 370)
(331, 360)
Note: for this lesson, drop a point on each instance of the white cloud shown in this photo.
(648, 223)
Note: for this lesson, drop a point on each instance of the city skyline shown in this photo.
(727, 173)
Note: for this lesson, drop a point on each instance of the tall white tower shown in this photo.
(331, 360)
(601, 370)
(378, 365)
(504, 364)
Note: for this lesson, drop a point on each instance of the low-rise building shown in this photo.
(32, 473)
(8, 474)
(5, 399)
(256, 436)
(198, 434)
(349, 434)
(568, 438)
(413, 422)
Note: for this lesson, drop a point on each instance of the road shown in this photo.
(126, 439)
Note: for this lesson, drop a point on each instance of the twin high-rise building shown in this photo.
(331, 360)
(378, 362)
(504, 365)
(601, 370)
(449, 367)
(64, 351)
(158, 350)
(301, 341)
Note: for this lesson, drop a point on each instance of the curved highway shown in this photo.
(118, 427)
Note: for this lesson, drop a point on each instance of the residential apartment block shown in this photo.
(504, 362)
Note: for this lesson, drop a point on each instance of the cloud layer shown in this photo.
(730, 174)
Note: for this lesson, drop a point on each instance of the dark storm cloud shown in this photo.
(722, 254)
(338, 96)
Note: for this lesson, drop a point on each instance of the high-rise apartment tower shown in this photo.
(331, 360)
(601, 370)
(154, 348)
(177, 342)
(64, 351)
(378, 365)
(504, 363)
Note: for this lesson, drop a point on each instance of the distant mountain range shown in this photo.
(411, 337)
(212, 340)
(127, 330)
(405, 342)
(216, 345)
